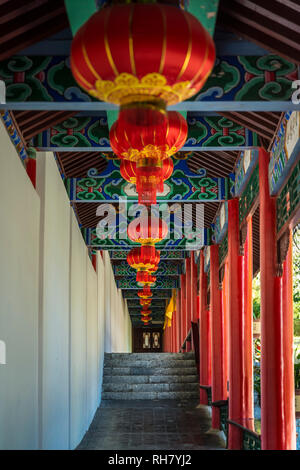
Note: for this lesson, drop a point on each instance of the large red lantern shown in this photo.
(146, 320)
(144, 278)
(128, 171)
(144, 258)
(142, 53)
(147, 230)
(142, 134)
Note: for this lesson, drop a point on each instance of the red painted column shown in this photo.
(194, 310)
(178, 316)
(235, 264)
(188, 299)
(218, 379)
(204, 333)
(288, 339)
(183, 319)
(225, 310)
(247, 315)
(277, 396)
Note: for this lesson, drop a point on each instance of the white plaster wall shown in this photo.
(57, 316)
(19, 303)
(78, 335)
(54, 305)
(101, 320)
(107, 302)
(92, 342)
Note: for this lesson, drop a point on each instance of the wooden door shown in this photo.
(147, 340)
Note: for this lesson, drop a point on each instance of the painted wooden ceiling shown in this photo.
(241, 24)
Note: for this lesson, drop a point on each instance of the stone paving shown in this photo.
(150, 425)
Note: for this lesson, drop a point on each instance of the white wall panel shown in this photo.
(54, 304)
(78, 335)
(19, 301)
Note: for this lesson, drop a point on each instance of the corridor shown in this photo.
(151, 425)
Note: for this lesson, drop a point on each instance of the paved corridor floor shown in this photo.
(150, 425)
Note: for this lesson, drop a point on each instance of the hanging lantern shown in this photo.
(148, 177)
(142, 53)
(144, 258)
(144, 278)
(145, 302)
(147, 230)
(128, 171)
(146, 320)
(141, 133)
(145, 313)
(145, 293)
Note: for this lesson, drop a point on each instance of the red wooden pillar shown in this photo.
(288, 353)
(178, 316)
(225, 310)
(235, 264)
(218, 379)
(188, 299)
(194, 312)
(277, 393)
(183, 319)
(247, 316)
(204, 333)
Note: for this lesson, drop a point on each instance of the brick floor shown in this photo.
(150, 425)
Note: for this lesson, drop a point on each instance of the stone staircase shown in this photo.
(150, 376)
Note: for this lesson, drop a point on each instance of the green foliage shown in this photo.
(256, 297)
(297, 372)
(296, 274)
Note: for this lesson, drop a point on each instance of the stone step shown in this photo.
(186, 395)
(154, 371)
(161, 363)
(151, 387)
(146, 356)
(143, 379)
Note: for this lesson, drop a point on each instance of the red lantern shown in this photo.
(148, 177)
(145, 293)
(146, 320)
(144, 278)
(140, 134)
(145, 313)
(137, 53)
(128, 171)
(144, 258)
(145, 302)
(147, 230)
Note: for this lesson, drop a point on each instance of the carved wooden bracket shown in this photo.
(282, 249)
(243, 236)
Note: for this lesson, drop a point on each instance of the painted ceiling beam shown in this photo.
(166, 255)
(237, 83)
(194, 106)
